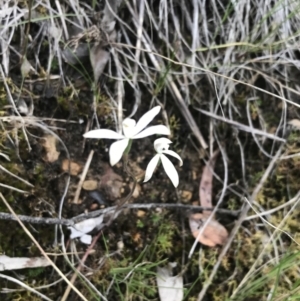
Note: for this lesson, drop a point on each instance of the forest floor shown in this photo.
(226, 79)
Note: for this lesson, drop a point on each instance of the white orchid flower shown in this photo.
(81, 229)
(131, 130)
(161, 146)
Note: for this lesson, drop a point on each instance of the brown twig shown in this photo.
(74, 220)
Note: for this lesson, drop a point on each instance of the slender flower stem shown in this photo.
(128, 148)
(128, 197)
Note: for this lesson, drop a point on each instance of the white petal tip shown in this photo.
(103, 134)
(113, 162)
(156, 109)
(86, 239)
(116, 151)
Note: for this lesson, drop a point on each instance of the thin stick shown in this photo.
(74, 220)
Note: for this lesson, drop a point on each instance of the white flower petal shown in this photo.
(75, 233)
(103, 133)
(150, 167)
(129, 123)
(146, 119)
(152, 130)
(86, 239)
(161, 144)
(171, 153)
(128, 127)
(116, 151)
(83, 227)
(170, 170)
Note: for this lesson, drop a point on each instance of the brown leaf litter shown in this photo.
(49, 144)
(206, 229)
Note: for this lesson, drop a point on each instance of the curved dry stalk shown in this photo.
(270, 211)
(26, 287)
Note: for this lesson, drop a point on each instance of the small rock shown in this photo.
(186, 195)
(141, 213)
(90, 185)
(49, 145)
(75, 168)
(120, 245)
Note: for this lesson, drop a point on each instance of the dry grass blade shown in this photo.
(15, 176)
(170, 83)
(24, 285)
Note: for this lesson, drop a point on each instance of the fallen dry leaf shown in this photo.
(205, 188)
(99, 58)
(16, 263)
(214, 233)
(49, 143)
(75, 168)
